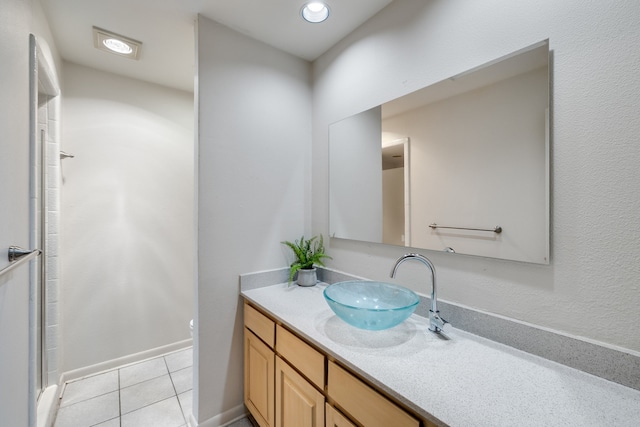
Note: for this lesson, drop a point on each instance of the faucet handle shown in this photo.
(436, 323)
(446, 326)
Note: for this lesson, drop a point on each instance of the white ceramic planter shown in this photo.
(307, 277)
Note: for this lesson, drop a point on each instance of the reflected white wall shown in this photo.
(356, 163)
(478, 160)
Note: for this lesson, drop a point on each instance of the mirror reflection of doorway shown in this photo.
(395, 193)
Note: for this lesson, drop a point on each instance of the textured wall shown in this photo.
(127, 209)
(591, 288)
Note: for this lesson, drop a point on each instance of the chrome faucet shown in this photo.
(436, 323)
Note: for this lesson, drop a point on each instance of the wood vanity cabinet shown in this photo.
(299, 400)
(298, 403)
(259, 366)
(335, 419)
(259, 369)
(288, 383)
(363, 403)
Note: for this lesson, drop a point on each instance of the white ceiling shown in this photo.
(166, 29)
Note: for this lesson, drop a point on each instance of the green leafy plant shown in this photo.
(307, 252)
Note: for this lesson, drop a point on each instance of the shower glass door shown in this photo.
(38, 221)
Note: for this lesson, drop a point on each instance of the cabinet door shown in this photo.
(336, 419)
(298, 403)
(258, 379)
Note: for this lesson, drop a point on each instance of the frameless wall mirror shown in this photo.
(461, 165)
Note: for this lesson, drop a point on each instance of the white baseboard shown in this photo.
(191, 422)
(221, 420)
(47, 406)
(122, 361)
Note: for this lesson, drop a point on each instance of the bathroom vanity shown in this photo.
(306, 367)
(306, 385)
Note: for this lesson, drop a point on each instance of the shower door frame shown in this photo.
(43, 89)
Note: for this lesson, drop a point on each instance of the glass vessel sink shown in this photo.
(371, 305)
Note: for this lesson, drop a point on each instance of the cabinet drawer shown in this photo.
(335, 419)
(301, 355)
(364, 404)
(260, 325)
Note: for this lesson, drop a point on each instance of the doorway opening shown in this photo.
(396, 192)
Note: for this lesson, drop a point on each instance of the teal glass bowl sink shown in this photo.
(371, 305)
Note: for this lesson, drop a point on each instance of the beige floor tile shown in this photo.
(179, 360)
(182, 380)
(89, 412)
(142, 371)
(145, 393)
(90, 387)
(165, 413)
(186, 403)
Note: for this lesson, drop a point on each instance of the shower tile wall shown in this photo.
(49, 114)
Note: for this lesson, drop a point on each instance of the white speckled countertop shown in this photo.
(465, 380)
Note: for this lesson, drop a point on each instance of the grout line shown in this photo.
(101, 422)
(170, 377)
(150, 404)
(147, 379)
(174, 390)
(119, 400)
(89, 398)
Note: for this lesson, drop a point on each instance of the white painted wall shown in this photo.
(356, 161)
(15, 23)
(127, 203)
(254, 147)
(45, 38)
(462, 148)
(18, 18)
(591, 288)
(393, 206)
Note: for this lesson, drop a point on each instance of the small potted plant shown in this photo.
(308, 253)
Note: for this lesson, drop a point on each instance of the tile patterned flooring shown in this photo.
(153, 393)
(156, 392)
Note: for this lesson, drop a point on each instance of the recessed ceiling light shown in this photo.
(315, 12)
(115, 43)
(117, 46)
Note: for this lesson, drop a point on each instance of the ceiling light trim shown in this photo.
(103, 39)
(315, 12)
